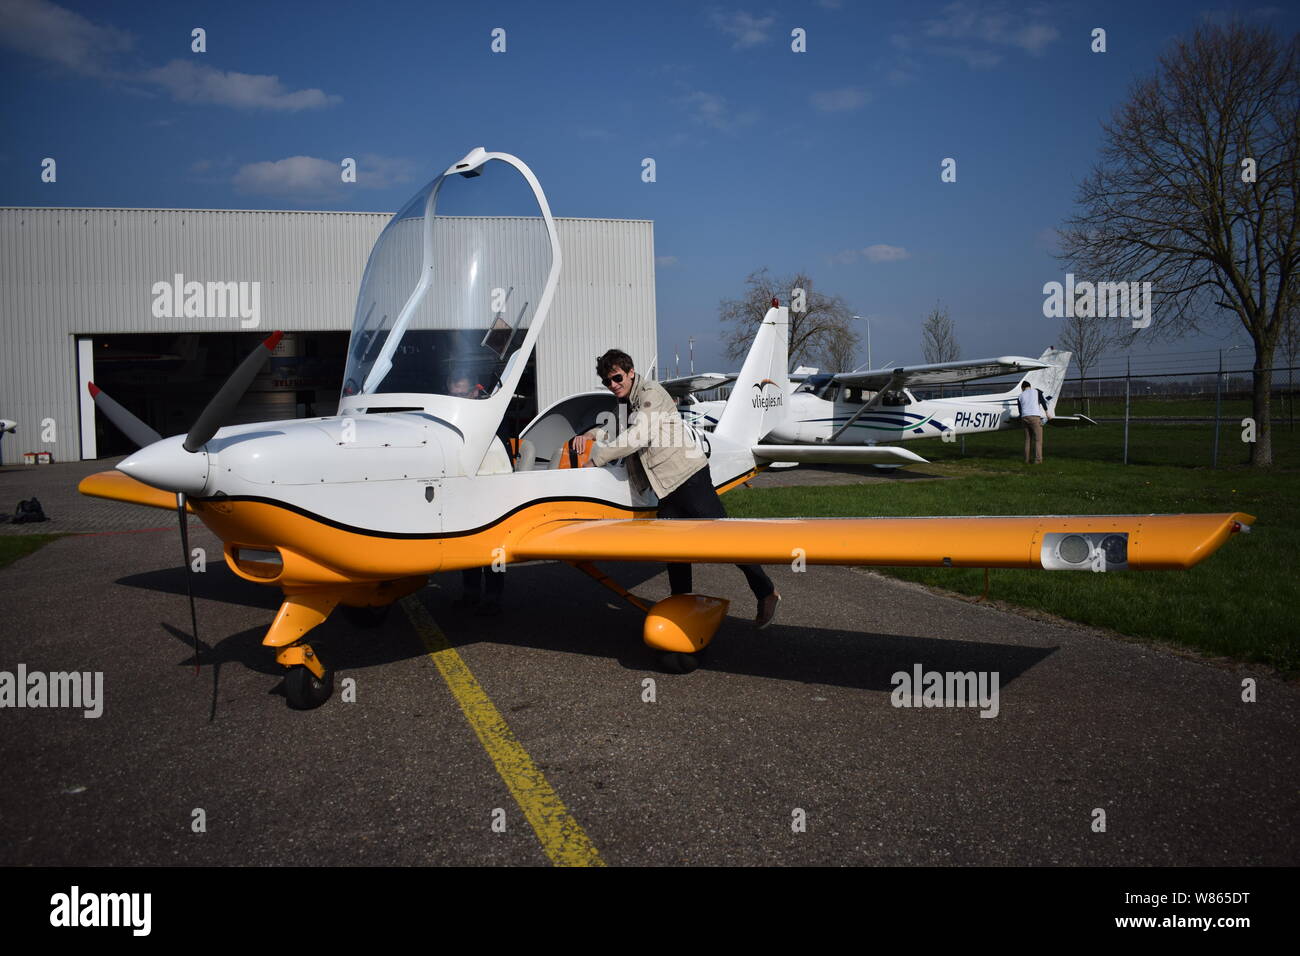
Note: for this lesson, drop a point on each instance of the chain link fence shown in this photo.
(1194, 419)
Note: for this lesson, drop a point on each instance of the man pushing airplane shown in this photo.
(664, 454)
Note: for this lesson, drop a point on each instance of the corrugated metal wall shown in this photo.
(71, 272)
(606, 299)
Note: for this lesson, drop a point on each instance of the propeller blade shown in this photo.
(185, 557)
(131, 427)
(223, 403)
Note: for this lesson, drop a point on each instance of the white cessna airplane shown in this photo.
(865, 408)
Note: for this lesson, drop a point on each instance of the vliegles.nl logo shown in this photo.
(767, 401)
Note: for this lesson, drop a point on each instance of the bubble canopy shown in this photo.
(457, 285)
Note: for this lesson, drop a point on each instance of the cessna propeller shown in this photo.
(219, 409)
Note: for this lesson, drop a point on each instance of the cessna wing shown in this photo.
(1070, 420)
(939, 373)
(837, 454)
(679, 388)
(1097, 542)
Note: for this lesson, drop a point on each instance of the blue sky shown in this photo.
(826, 161)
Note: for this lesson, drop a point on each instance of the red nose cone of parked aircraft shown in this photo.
(167, 465)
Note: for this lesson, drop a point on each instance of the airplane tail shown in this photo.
(1048, 380)
(758, 396)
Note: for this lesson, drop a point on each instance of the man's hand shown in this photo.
(579, 444)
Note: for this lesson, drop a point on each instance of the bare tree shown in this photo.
(939, 337)
(821, 333)
(1087, 338)
(1289, 343)
(1196, 193)
(840, 354)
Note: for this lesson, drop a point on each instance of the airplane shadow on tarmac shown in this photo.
(550, 606)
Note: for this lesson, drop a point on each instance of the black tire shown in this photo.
(676, 662)
(304, 690)
(366, 617)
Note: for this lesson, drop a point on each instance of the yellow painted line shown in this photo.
(562, 838)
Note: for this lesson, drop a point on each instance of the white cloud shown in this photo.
(883, 253)
(877, 253)
(47, 31)
(711, 109)
(306, 179)
(745, 29)
(830, 4)
(665, 261)
(191, 82)
(841, 100)
(297, 178)
(990, 23)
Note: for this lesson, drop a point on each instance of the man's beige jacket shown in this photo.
(667, 451)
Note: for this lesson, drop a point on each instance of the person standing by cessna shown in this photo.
(1033, 412)
(667, 459)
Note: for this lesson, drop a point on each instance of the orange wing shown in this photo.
(1125, 542)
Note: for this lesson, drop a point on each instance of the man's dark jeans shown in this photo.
(695, 498)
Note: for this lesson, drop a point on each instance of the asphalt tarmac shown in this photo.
(787, 726)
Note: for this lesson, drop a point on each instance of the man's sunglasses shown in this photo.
(616, 379)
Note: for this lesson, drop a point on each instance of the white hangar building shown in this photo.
(92, 295)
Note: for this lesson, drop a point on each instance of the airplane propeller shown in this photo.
(131, 427)
(228, 396)
(219, 408)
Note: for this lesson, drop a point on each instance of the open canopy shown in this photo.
(452, 285)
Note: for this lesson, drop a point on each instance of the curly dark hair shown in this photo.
(611, 360)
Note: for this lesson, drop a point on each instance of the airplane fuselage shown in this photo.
(814, 420)
(366, 497)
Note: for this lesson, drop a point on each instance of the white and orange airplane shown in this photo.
(408, 479)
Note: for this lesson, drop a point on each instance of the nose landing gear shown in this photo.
(308, 683)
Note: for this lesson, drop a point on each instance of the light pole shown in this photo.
(1218, 403)
(867, 320)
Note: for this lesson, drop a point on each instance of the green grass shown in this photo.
(15, 546)
(1233, 409)
(1189, 446)
(1239, 603)
(1142, 406)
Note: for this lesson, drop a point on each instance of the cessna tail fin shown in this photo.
(759, 395)
(1050, 379)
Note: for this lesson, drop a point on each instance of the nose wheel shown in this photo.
(307, 683)
(304, 690)
(679, 662)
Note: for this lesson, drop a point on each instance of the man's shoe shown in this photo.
(767, 610)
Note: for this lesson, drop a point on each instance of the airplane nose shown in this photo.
(167, 465)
